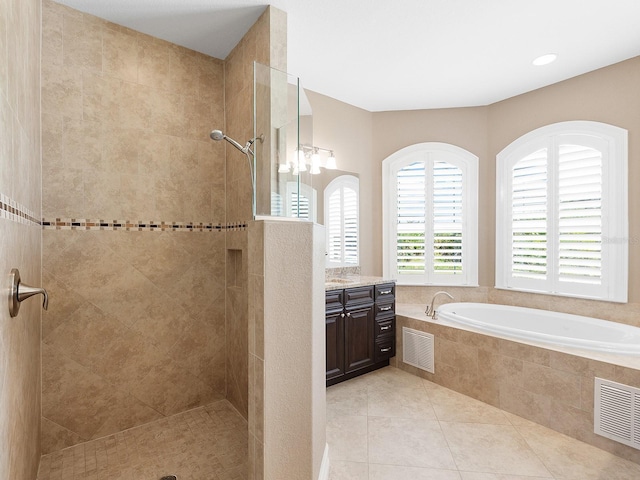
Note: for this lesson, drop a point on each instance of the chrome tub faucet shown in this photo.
(430, 310)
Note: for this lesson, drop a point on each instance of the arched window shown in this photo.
(430, 215)
(341, 220)
(561, 217)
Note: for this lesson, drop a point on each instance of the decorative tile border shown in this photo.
(12, 210)
(140, 226)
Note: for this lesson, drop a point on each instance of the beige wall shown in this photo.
(136, 328)
(20, 240)
(609, 95)
(464, 127)
(348, 131)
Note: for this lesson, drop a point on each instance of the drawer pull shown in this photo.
(385, 292)
(342, 315)
(349, 314)
(385, 350)
(385, 328)
(385, 309)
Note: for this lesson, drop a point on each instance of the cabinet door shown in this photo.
(359, 338)
(334, 326)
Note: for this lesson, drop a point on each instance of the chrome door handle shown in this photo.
(385, 309)
(386, 327)
(21, 291)
(385, 350)
(385, 292)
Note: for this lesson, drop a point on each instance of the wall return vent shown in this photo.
(617, 412)
(417, 349)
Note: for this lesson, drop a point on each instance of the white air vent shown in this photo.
(417, 349)
(617, 412)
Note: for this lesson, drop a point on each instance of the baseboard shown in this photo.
(324, 466)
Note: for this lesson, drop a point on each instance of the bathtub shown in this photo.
(544, 326)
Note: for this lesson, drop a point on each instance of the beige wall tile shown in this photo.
(20, 172)
(120, 54)
(561, 386)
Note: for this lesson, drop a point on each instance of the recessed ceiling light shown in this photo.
(545, 59)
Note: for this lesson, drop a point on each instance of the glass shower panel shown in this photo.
(282, 113)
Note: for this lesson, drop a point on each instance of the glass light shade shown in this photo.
(315, 164)
(301, 164)
(331, 162)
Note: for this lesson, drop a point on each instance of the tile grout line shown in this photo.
(140, 225)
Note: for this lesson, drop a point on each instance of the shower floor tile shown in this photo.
(207, 443)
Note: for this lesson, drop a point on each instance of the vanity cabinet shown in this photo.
(360, 330)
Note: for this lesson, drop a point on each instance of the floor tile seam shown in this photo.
(446, 440)
(533, 450)
(419, 467)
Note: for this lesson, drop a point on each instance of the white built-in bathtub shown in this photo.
(544, 326)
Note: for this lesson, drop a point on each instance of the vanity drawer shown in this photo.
(385, 328)
(385, 309)
(385, 349)
(334, 300)
(358, 296)
(385, 292)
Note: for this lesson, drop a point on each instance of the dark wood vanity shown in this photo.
(360, 326)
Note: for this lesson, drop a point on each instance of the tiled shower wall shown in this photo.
(256, 45)
(136, 326)
(20, 235)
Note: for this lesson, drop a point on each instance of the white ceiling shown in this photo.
(405, 54)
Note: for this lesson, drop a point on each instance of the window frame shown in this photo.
(430, 152)
(614, 149)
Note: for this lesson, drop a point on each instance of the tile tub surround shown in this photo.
(392, 425)
(208, 442)
(552, 387)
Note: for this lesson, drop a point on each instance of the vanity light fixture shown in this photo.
(309, 155)
(545, 59)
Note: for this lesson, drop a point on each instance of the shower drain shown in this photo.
(169, 477)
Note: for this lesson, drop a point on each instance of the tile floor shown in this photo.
(207, 443)
(391, 425)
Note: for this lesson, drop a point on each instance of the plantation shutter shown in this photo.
(411, 219)
(342, 220)
(277, 209)
(529, 216)
(350, 224)
(579, 214)
(429, 238)
(447, 218)
(299, 205)
(334, 226)
(431, 215)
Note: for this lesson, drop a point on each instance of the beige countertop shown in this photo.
(348, 281)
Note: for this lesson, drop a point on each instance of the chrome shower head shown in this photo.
(217, 135)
